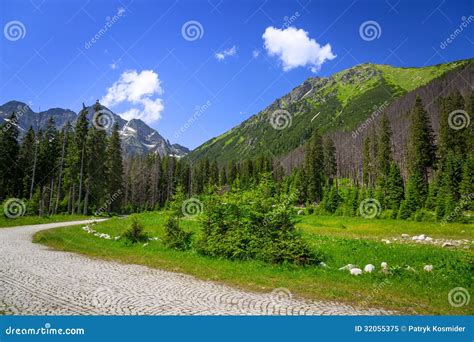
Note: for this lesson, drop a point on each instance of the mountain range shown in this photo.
(137, 136)
(345, 106)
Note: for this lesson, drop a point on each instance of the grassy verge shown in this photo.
(407, 292)
(28, 220)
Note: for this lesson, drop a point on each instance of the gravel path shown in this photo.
(35, 280)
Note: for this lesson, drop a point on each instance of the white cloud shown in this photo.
(295, 49)
(221, 55)
(137, 89)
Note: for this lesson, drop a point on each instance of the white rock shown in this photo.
(145, 244)
(323, 264)
(347, 267)
(447, 244)
(356, 271)
(301, 212)
(429, 239)
(384, 265)
(411, 269)
(428, 268)
(386, 241)
(369, 268)
(405, 236)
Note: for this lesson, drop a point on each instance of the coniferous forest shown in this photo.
(80, 169)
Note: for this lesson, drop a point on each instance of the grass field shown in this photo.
(341, 240)
(27, 220)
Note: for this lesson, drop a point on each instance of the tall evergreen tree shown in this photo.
(114, 172)
(330, 164)
(10, 148)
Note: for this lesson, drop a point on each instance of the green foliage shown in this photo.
(175, 236)
(136, 232)
(253, 225)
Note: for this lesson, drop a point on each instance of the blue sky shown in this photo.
(162, 60)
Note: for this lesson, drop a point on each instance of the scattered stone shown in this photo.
(323, 264)
(347, 267)
(369, 268)
(411, 269)
(301, 212)
(356, 271)
(405, 236)
(428, 268)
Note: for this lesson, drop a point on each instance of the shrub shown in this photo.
(253, 225)
(175, 236)
(135, 233)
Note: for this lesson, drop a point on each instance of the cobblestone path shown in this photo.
(35, 280)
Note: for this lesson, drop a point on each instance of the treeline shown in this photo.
(77, 170)
(80, 170)
(440, 173)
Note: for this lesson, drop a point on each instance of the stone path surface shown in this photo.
(35, 280)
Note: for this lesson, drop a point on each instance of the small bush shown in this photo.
(175, 236)
(135, 233)
(253, 225)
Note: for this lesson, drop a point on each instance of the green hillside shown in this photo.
(337, 103)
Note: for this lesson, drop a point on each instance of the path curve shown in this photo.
(35, 280)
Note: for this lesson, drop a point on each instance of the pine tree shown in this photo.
(27, 161)
(314, 165)
(330, 164)
(395, 189)
(9, 168)
(114, 172)
(421, 158)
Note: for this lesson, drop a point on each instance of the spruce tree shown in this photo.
(114, 171)
(10, 148)
(330, 164)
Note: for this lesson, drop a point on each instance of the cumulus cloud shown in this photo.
(294, 48)
(140, 91)
(221, 55)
